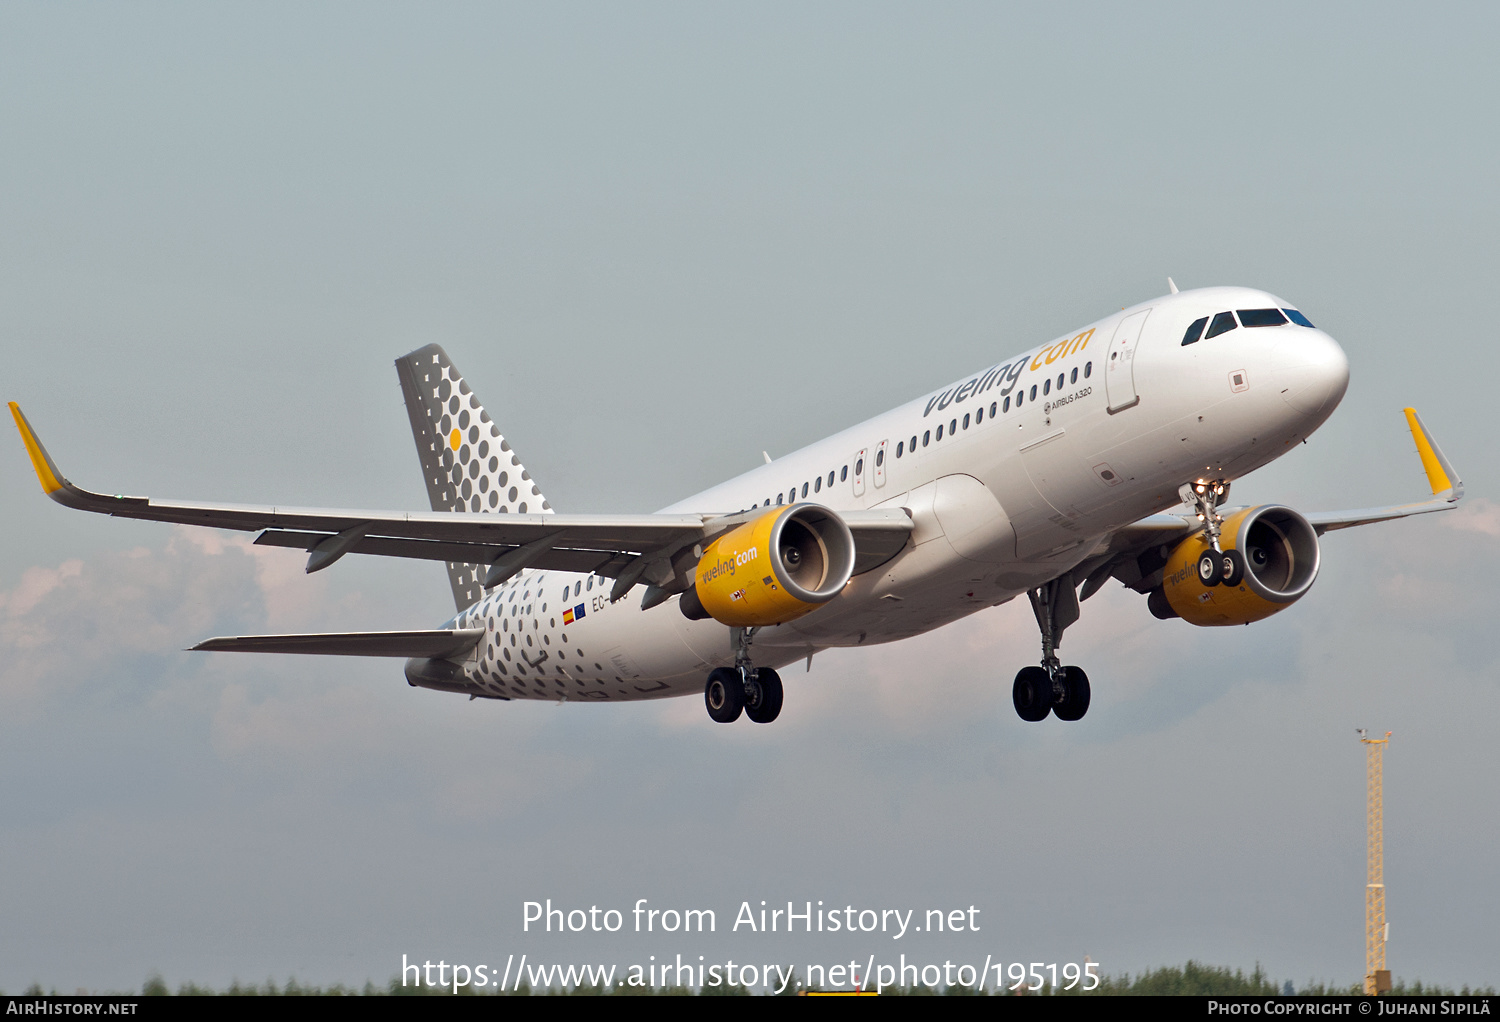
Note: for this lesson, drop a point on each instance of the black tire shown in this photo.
(1234, 567)
(724, 695)
(1076, 693)
(766, 704)
(1210, 567)
(1032, 694)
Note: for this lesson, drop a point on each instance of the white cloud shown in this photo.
(1476, 515)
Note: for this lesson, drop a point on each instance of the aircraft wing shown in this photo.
(653, 548)
(1133, 558)
(1447, 488)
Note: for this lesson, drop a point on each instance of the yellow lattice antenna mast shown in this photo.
(1377, 931)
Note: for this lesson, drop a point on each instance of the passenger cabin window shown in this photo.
(1261, 317)
(830, 477)
(940, 433)
(953, 427)
(1222, 324)
(1047, 386)
(966, 421)
(913, 445)
(1297, 317)
(926, 434)
(993, 407)
(900, 445)
(1088, 370)
(1032, 395)
(880, 457)
(1007, 404)
(844, 473)
(817, 485)
(804, 489)
(1194, 332)
(978, 416)
(1074, 377)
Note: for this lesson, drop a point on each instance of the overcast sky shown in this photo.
(658, 239)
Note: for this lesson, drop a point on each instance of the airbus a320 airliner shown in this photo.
(1046, 475)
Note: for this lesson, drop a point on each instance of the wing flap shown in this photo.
(557, 559)
(436, 643)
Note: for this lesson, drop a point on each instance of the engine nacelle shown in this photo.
(1281, 556)
(772, 569)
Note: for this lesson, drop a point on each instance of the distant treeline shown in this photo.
(1191, 980)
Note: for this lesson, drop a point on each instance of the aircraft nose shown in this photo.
(1317, 373)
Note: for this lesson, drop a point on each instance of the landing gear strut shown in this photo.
(755, 690)
(1052, 688)
(1216, 566)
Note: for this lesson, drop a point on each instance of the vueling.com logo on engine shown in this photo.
(726, 565)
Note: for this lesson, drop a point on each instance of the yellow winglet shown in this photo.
(51, 479)
(1440, 474)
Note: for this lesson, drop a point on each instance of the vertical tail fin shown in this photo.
(467, 463)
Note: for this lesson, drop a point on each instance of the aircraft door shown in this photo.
(1119, 368)
(859, 472)
(880, 464)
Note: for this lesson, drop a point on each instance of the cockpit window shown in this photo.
(1297, 317)
(1194, 332)
(1222, 324)
(1262, 317)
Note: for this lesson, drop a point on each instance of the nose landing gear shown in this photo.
(1216, 566)
(755, 690)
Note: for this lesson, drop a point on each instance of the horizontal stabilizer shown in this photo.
(441, 642)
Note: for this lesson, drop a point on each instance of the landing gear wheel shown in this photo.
(1032, 694)
(764, 706)
(1233, 564)
(724, 695)
(1210, 567)
(1075, 701)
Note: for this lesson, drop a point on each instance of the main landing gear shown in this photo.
(1216, 566)
(1052, 688)
(755, 690)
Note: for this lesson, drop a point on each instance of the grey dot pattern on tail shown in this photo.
(466, 461)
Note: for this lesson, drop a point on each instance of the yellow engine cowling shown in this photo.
(773, 569)
(1281, 554)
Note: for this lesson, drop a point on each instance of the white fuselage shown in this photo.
(1114, 417)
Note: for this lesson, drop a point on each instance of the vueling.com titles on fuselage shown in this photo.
(1010, 373)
